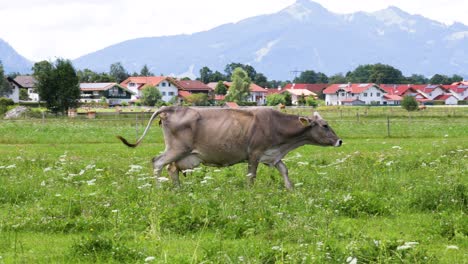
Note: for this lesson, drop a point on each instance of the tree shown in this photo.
(23, 95)
(205, 74)
(57, 84)
(145, 71)
(417, 79)
(5, 87)
(230, 68)
(337, 78)
(409, 103)
(275, 99)
(150, 95)
(382, 73)
(261, 80)
(287, 99)
(240, 87)
(220, 88)
(118, 72)
(199, 99)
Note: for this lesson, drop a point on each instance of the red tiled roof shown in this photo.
(393, 97)
(232, 105)
(443, 97)
(352, 87)
(193, 85)
(144, 80)
(313, 87)
(184, 94)
(219, 97)
(460, 83)
(253, 87)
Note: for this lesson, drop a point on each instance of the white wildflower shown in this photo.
(452, 247)
(347, 197)
(298, 184)
(276, 248)
(47, 169)
(90, 166)
(12, 166)
(146, 185)
(187, 170)
(351, 260)
(389, 163)
(407, 245)
(91, 182)
(396, 147)
(446, 135)
(301, 163)
(58, 195)
(99, 170)
(162, 179)
(81, 172)
(115, 211)
(203, 182)
(43, 183)
(149, 259)
(403, 247)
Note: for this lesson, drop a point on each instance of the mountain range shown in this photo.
(12, 61)
(303, 36)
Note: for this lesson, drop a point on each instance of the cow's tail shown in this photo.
(155, 114)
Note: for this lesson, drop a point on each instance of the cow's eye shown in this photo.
(325, 126)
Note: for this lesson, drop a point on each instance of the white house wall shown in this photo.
(168, 90)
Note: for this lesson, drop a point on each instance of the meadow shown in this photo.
(70, 192)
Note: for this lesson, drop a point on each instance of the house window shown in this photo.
(365, 94)
(378, 94)
(371, 94)
(163, 84)
(342, 94)
(131, 84)
(171, 93)
(169, 84)
(164, 93)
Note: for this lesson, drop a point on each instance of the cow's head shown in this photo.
(319, 132)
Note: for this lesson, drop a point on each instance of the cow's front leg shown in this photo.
(252, 171)
(284, 172)
(162, 160)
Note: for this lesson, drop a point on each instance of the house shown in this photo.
(114, 93)
(189, 87)
(447, 99)
(297, 93)
(24, 82)
(166, 85)
(354, 94)
(316, 88)
(14, 95)
(257, 93)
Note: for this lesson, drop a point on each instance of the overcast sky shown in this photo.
(46, 29)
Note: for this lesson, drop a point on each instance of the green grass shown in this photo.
(71, 193)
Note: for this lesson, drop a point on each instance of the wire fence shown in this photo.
(352, 122)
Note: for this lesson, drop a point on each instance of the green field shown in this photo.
(70, 192)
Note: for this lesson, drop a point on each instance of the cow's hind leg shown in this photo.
(252, 171)
(284, 172)
(174, 173)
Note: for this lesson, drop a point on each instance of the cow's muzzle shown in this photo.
(338, 143)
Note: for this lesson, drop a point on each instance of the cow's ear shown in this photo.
(304, 121)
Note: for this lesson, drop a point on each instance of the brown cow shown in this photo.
(224, 137)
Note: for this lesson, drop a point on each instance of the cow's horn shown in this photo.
(317, 115)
